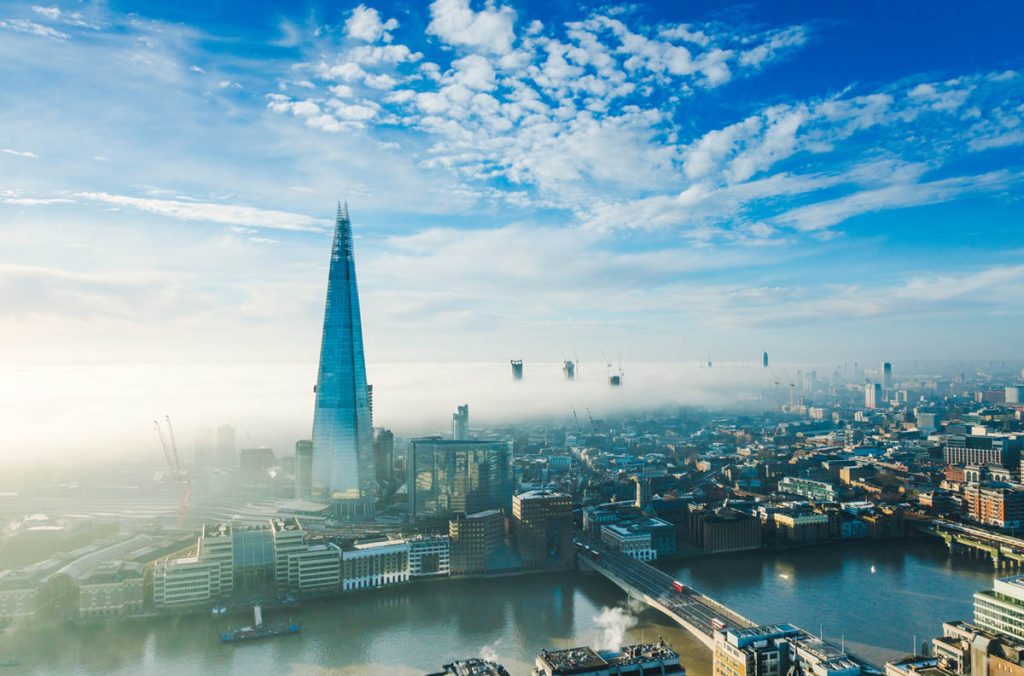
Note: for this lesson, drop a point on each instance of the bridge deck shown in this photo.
(689, 608)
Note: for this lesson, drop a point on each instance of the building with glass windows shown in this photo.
(446, 477)
(343, 468)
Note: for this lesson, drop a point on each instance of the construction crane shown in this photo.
(591, 418)
(181, 481)
(577, 419)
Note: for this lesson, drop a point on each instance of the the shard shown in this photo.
(343, 472)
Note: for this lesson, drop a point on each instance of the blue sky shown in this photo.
(827, 181)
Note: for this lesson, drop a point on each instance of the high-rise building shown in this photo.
(517, 369)
(460, 423)
(872, 395)
(226, 448)
(886, 376)
(343, 472)
(384, 453)
(474, 539)
(253, 464)
(764, 360)
(569, 369)
(541, 528)
(303, 469)
(445, 477)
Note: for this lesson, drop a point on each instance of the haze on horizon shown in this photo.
(531, 180)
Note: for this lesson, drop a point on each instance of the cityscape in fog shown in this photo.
(493, 337)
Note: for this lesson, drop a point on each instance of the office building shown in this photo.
(186, 583)
(1014, 394)
(253, 464)
(445, 477)
(569, 369)
(304, 469)
(630, 660)
(1001, 609)
(634, 542)
(541, 529)
(872, 395)
(343, 471)
(384, 454)
(460, 423)
(975, 449)
(475, 538)
(724, 530)
(429, 556)
(374, 564)
(313, 569)
(887, 376)
(226, 449)
(764, 360)
(517, 369)
(818, 491)
(757, 651)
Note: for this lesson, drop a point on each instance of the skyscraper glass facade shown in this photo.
(448, 477)
(343, 471)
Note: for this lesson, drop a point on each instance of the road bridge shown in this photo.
(689, 608)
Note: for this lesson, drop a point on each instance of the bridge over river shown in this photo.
(699, 614)
(689, 608)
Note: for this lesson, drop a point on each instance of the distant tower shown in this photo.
(303, 469)
(227, 454)
(569, 369)
(872, 395)
(460, 423)
(343, 472)
(886, 376)
(517, 369)
(764, 360)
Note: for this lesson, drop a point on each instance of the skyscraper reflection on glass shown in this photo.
(343, 472)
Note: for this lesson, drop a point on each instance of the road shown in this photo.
(690, 605)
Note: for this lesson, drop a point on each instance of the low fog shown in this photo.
(78, 414)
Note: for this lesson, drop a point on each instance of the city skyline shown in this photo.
(639, 183)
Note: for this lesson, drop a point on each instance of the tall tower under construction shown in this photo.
(343, 472)
(569, 369)
(460, 423)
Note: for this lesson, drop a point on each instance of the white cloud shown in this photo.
(33, 28)
(19, 153)
(900, 195)
(211, 212)
(490, 29)
(365, 24)
(48, 12)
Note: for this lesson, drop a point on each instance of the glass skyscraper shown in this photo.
(343, 472)
(445, 477)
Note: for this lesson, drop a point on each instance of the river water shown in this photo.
(910, 590)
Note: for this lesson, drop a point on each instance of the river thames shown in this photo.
(878, 595)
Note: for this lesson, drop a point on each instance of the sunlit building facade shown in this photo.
(343, 468)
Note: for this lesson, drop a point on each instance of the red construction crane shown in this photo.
(181, 480)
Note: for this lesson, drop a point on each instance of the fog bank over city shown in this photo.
(83, 413)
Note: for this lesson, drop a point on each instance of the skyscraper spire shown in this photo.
(343, 472)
